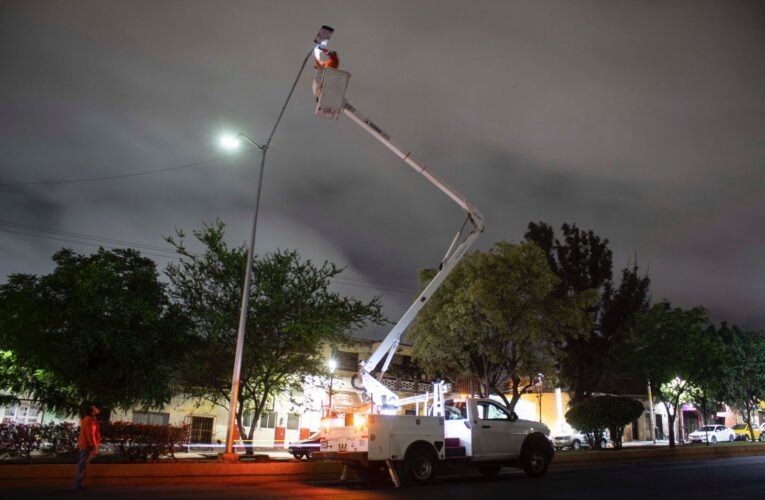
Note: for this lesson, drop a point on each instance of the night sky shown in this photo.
(644, 121)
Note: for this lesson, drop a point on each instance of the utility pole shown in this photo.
(652, 414)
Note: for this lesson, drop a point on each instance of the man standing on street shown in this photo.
(90, 440)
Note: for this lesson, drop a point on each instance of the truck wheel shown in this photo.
(489, 470)
(575, 444)
(535, 456)
(419, 466)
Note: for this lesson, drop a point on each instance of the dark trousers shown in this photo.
(86, 456)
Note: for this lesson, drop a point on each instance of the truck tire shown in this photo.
(535, 456)
(575, 444)
(489, 470)
(419, 466)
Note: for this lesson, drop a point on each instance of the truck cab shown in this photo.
(487, 429)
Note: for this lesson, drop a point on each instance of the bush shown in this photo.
(605, 412)
(135, 442)
(141, 442)
(20, 439)
(60, 439)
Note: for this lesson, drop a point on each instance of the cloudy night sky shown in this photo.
(643, 121)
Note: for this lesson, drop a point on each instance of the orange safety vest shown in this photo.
(90, 433)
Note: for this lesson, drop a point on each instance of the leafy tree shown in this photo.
(583, 261)
(605, 412)
(674, 350)
(707, 399)
(495, 319)
(99, 327)
(292, 315)
(743, 373)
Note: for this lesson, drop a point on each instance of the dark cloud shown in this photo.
(644, 121)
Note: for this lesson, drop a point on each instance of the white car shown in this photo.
(712, 434)
(576, 440)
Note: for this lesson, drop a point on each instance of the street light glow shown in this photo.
(229, 142)
(332, 364)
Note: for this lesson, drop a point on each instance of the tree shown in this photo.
(605, 412)
(674, 349)
(583, 261)
(292, 315)
(743, 373)
(99, 327)
(495, 319)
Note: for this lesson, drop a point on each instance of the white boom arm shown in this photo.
(332, 105)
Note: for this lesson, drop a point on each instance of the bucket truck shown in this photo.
(377, 439)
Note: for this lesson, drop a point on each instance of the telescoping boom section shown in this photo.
(329, 88)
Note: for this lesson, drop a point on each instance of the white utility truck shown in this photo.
(377, 439)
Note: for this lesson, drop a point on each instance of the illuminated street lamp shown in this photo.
(231, 142)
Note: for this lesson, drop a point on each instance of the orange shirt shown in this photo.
(90, 433)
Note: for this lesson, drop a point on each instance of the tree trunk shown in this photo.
(748, 419)
(671, 425)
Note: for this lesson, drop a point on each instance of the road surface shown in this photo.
(728, 478)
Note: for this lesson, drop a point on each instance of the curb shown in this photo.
(682, 453)
(213, 472)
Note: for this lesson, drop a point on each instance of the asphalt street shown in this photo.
(727, 478)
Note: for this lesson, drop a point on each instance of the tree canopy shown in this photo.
(98, 328)
(675, 350)
(582, 261)
(743, 371)
(495, 319)
(292, 316)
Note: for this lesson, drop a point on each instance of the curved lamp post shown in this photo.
(231, 143)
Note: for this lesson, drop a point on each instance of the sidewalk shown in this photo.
(271, 453)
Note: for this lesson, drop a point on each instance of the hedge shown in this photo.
(134, 442)
(605, 412)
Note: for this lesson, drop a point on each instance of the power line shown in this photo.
(30, 227)
(121, 176)
(98, 241)
(80, 242)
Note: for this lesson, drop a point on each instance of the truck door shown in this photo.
(492, 431)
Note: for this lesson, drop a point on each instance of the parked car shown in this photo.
(576, 440)
(743, 434)
(762, 433)
(712, 434)
(305, 447)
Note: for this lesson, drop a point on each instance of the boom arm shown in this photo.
(332, 105)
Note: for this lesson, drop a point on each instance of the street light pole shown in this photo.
(321, 38)
(235, 379)
(332, 365)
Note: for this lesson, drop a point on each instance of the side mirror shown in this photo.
(513, 416)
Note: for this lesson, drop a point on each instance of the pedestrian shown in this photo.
(89, 441)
